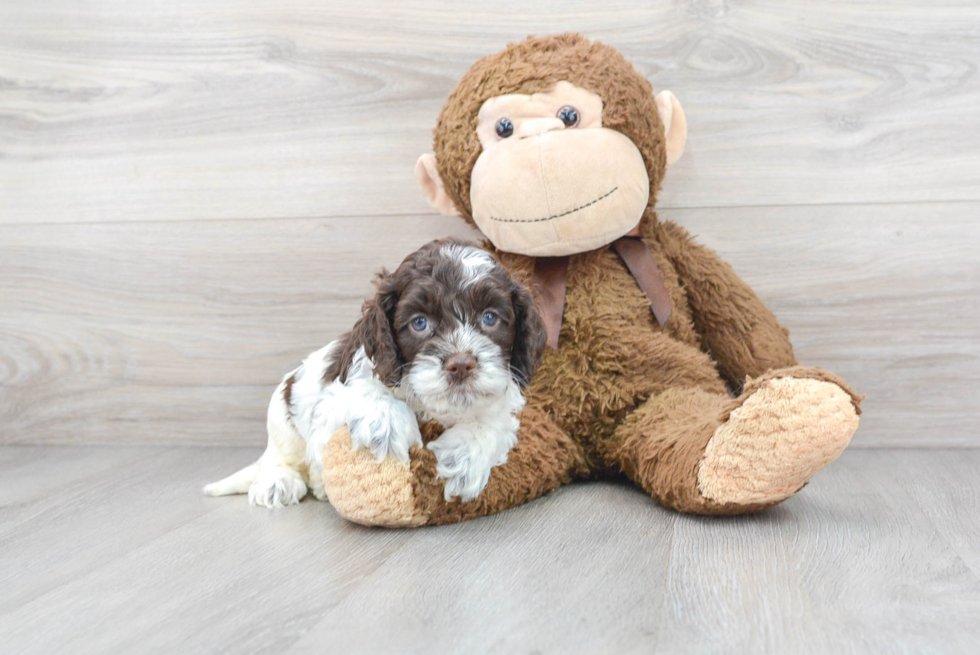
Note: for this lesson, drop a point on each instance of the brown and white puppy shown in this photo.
(450, 336)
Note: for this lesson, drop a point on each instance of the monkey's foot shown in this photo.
(785, 427)
(366, 491)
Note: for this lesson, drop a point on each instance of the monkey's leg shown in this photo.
(407, 494)
(706, 453)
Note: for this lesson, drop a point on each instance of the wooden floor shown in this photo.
(109, 549)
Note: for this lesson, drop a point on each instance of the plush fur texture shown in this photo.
(770, 445)
(369, 492)
(537, 65)
(709, 414)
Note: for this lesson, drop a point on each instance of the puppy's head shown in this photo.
(453, 325)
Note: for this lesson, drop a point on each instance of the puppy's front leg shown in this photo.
(465, 454)
(377, 419)
(384, 425)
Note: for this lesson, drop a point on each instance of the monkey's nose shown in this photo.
(459, 366)
(538, 126)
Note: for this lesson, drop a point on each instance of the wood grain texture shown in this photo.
(874, 556)
(852, 564)
(176, 332)
(935, 484)
(167, 333)
(116, 111)
(194, 196)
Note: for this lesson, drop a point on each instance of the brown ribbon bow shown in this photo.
(551, 279)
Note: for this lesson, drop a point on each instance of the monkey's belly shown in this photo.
(588, 395)
(613, 355)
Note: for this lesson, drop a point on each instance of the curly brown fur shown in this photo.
(429, 280)
(621, 394)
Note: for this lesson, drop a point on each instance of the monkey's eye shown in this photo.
(489, 319)
(568, 115)
(504, 127)
(420, 324)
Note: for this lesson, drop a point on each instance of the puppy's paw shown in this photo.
(386, 427)
(462, 463)
(316, 480)
(277, 487)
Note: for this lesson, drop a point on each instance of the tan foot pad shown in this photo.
(780, 436)
(365, 491)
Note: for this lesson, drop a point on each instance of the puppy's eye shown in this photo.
(568, 115)
(489, 319)
(504, 127)
(420, 324)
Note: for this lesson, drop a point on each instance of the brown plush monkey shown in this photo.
(555, 149)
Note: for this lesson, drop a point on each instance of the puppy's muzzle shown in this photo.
(459, 367)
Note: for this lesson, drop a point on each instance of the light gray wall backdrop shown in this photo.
(194, 195)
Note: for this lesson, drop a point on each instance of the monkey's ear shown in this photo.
(427, 175)
(675, 125)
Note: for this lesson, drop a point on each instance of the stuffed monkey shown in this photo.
(664, 367)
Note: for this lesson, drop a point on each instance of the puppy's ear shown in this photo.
(529, 336)
(375, 331)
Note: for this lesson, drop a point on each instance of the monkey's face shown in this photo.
(554, 146)
(550, 179)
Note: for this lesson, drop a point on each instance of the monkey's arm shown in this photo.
(404, 494)
(738, 331)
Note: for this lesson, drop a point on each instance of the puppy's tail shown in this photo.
(236, 483)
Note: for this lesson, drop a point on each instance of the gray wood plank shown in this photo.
(138, 561)
(131, 497)
(176, 111)
(144, 562)
(170, 333)
(176, 332)
(32, 474)
(581, 571)
(851, 564)
(943, 485)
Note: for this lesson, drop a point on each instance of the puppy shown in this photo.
(451, 337)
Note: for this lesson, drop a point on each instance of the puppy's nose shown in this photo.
(459, 366)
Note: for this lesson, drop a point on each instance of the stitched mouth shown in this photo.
(554, 216)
